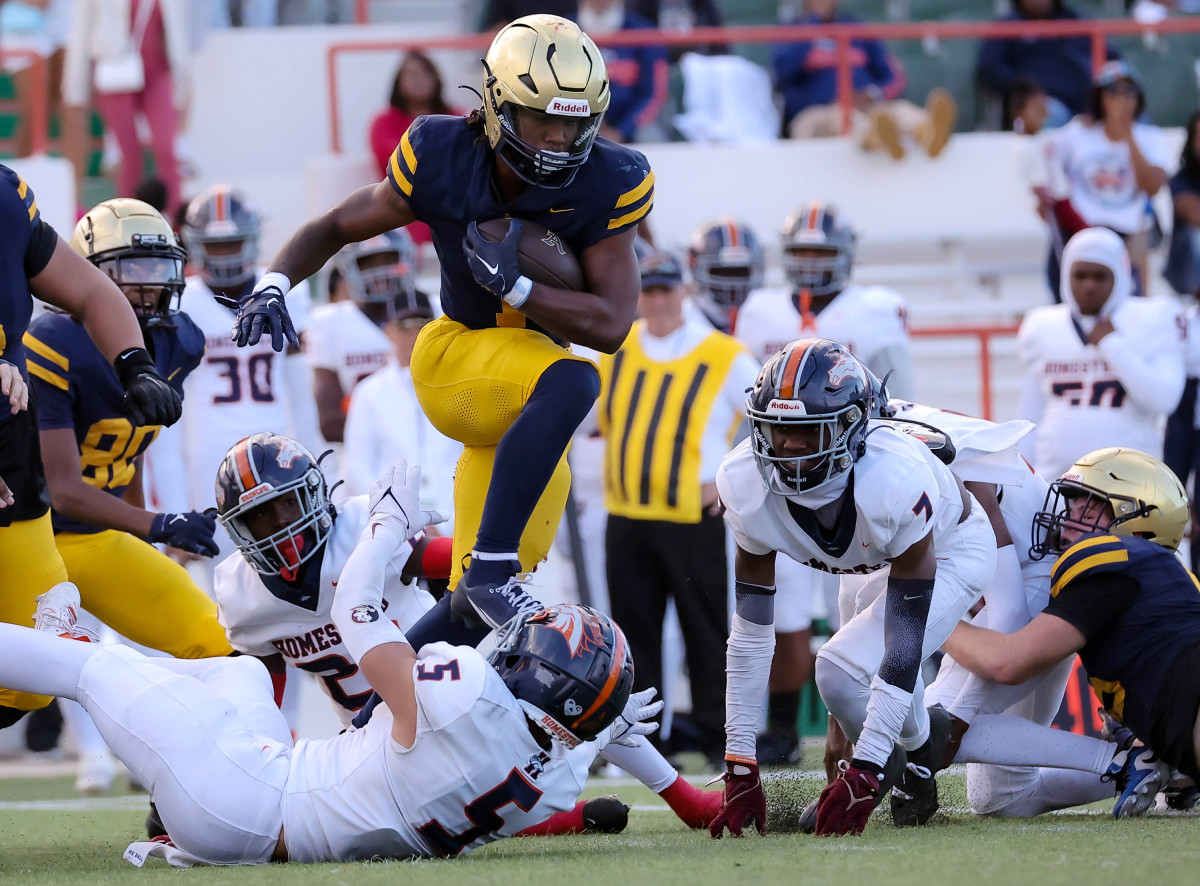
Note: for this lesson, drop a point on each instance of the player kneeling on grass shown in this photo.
(1120, 598)
(206, 738)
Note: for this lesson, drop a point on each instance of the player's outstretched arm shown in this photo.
(1014, 658)
(71, 282)
(383, 653)
(369, 211)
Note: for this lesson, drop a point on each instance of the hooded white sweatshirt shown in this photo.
(1114, 393)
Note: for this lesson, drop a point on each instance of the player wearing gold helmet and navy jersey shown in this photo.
(92, 450)
(496, 372)
(1121, 599)
(36, 261)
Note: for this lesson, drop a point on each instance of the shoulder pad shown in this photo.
(1090, 556)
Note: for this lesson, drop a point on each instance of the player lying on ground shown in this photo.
(206, 738)
(1121, 599)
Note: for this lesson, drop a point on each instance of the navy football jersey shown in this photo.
(26, 244)
(77, 388)
(443, 168)
(1139, 609)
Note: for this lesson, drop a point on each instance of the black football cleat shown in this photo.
(605, 815)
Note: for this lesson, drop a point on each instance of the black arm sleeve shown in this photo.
(1092, 603)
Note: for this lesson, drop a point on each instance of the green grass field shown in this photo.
(50, 836)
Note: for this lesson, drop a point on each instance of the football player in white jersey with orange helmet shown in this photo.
(820, 483)
(1103, 368)
(345, 341)
(818, 256)
(234, 391)
(467, 749)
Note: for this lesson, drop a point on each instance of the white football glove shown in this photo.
(395, 498)
(628, 728)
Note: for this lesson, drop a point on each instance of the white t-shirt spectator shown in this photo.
(1103, 188)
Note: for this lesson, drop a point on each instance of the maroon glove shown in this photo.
(846, 804)
(744, 801)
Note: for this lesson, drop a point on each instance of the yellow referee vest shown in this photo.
(653, 416)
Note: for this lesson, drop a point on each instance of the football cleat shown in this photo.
(58, 614)
(1139, 778)
(915, 796)
(808, 818)
(777, 748)
(492, 603)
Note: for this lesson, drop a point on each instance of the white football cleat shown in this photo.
(58, 612)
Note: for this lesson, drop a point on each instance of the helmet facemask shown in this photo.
(839, 442)
(152, 279)
(543, 168)
(728, 277)
(1096, 512)
(824, 274)
(383, 287)
(231, 265)
(283, 551)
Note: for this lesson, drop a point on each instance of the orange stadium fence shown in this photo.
(984, 336)
(842, 34)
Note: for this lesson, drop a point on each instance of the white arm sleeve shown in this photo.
(1151, 368)
(747, 670)
(358, 602)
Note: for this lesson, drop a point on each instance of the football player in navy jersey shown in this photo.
(496, 372)
(92, 451)
(1121, 599)
(38, 262)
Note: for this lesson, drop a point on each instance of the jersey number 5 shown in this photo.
(484, 811)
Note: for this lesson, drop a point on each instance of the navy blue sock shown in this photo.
(529, 452)
(434, 625)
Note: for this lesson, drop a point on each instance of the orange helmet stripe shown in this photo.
(246, 473)
(815, 210)
(220, 207)
(787, 385)
(614, 675)
(731, 229)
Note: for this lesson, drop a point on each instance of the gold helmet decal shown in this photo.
(541, 69)
(134, 245)
(1145, 497)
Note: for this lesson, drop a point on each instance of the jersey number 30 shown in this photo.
(484, 811)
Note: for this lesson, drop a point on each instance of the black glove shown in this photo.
(191, 531)
(494, 265)
(262, 309)
(148, 399)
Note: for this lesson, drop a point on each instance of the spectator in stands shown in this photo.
(637, 74)
(138, 64)
(680, 16)
(665, 533)
(1062, 66)
(1183, 259)
(416, 90)
(1111, 164)
(806, 76)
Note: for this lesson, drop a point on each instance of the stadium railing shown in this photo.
(1098, 30)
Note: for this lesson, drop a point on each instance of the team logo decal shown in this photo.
(844, 368)
(288, 453)
(581, 629)
(554, 242)
(364, 614)
(572, 708)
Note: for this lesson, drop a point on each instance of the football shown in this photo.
(543, 256)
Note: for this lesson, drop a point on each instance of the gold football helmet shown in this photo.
(1143, 495)
(133, 244)
(539, 70)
